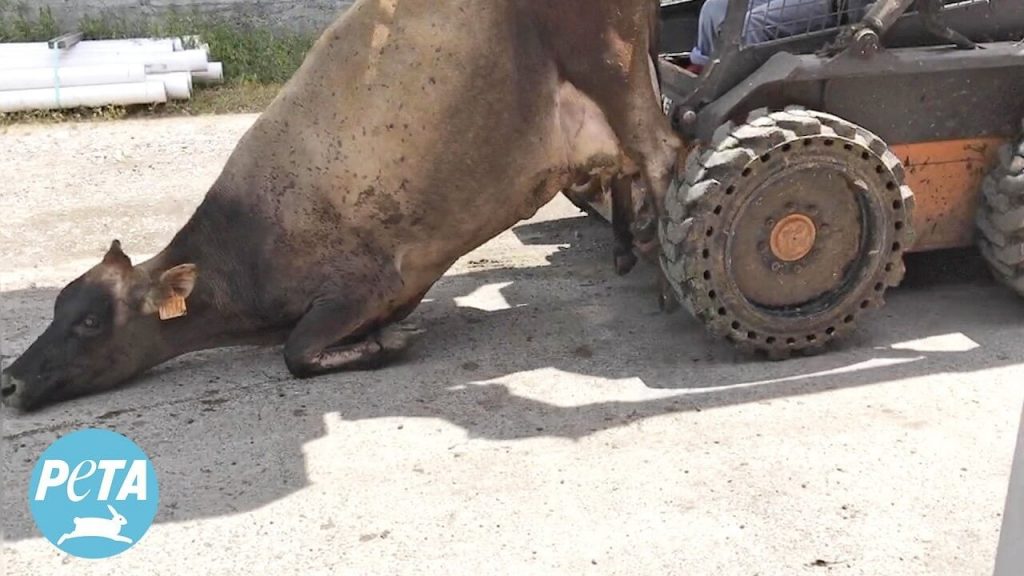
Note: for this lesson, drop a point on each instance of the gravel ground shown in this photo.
(551, 421)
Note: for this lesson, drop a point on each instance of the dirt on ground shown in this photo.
(551, 420)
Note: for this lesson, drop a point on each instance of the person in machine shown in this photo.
(770, 20)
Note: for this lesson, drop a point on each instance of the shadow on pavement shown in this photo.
(198, 419)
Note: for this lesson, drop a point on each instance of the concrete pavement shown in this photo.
(550, 421)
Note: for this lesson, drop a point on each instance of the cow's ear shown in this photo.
(167, 296)
(179, 280)
(115, 257)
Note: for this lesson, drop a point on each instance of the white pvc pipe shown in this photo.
(214, 74)
(177, 84)
(123, 45)
(183, 61)
(155, 62)
(149, 92)
(30, 78)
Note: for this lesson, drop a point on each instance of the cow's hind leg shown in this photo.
(622, 208)
(608, 51)
(635, 116)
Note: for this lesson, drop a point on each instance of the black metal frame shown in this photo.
(913, 67)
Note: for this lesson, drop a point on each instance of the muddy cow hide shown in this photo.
(414, 131)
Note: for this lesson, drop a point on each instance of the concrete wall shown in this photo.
(305, 15)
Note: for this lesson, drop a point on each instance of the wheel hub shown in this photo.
(793, 237)
(788, 248)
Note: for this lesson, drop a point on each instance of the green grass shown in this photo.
(257, 60)
(19, 23)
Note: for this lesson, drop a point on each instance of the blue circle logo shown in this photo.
(93, 493)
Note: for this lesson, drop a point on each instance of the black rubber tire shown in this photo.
(693, 238)
(1001, 218)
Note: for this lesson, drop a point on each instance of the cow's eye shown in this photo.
(90, 322)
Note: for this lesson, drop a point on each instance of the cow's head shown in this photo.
(106, 328)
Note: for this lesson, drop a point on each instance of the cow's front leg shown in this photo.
(336, 334)
(305, 356)
(375, 351)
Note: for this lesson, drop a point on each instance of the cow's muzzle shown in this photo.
(11, 390)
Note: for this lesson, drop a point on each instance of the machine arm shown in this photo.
(931, 15)
(863, 37)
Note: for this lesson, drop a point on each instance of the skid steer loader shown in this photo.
(826, 146)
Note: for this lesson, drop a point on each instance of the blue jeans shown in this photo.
(766, 20)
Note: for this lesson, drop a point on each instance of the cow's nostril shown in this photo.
(8, 385)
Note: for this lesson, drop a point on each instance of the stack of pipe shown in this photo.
(95, 73)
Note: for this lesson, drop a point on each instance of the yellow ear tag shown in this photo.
(173, 307)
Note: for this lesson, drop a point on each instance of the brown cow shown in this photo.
(415, 131)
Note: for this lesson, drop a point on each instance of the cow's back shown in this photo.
(417, 128)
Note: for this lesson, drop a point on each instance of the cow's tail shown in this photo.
(655, 38)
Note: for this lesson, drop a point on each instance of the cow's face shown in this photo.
(105, 329)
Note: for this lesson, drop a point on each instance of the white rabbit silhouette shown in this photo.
(109, 528)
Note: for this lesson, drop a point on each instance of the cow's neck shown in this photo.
(220, 308)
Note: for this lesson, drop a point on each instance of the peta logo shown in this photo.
(93, 493)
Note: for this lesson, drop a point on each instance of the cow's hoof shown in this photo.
(625, 262)
(398, 336)
(645, 230)
(667, 302)
(649, 251)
